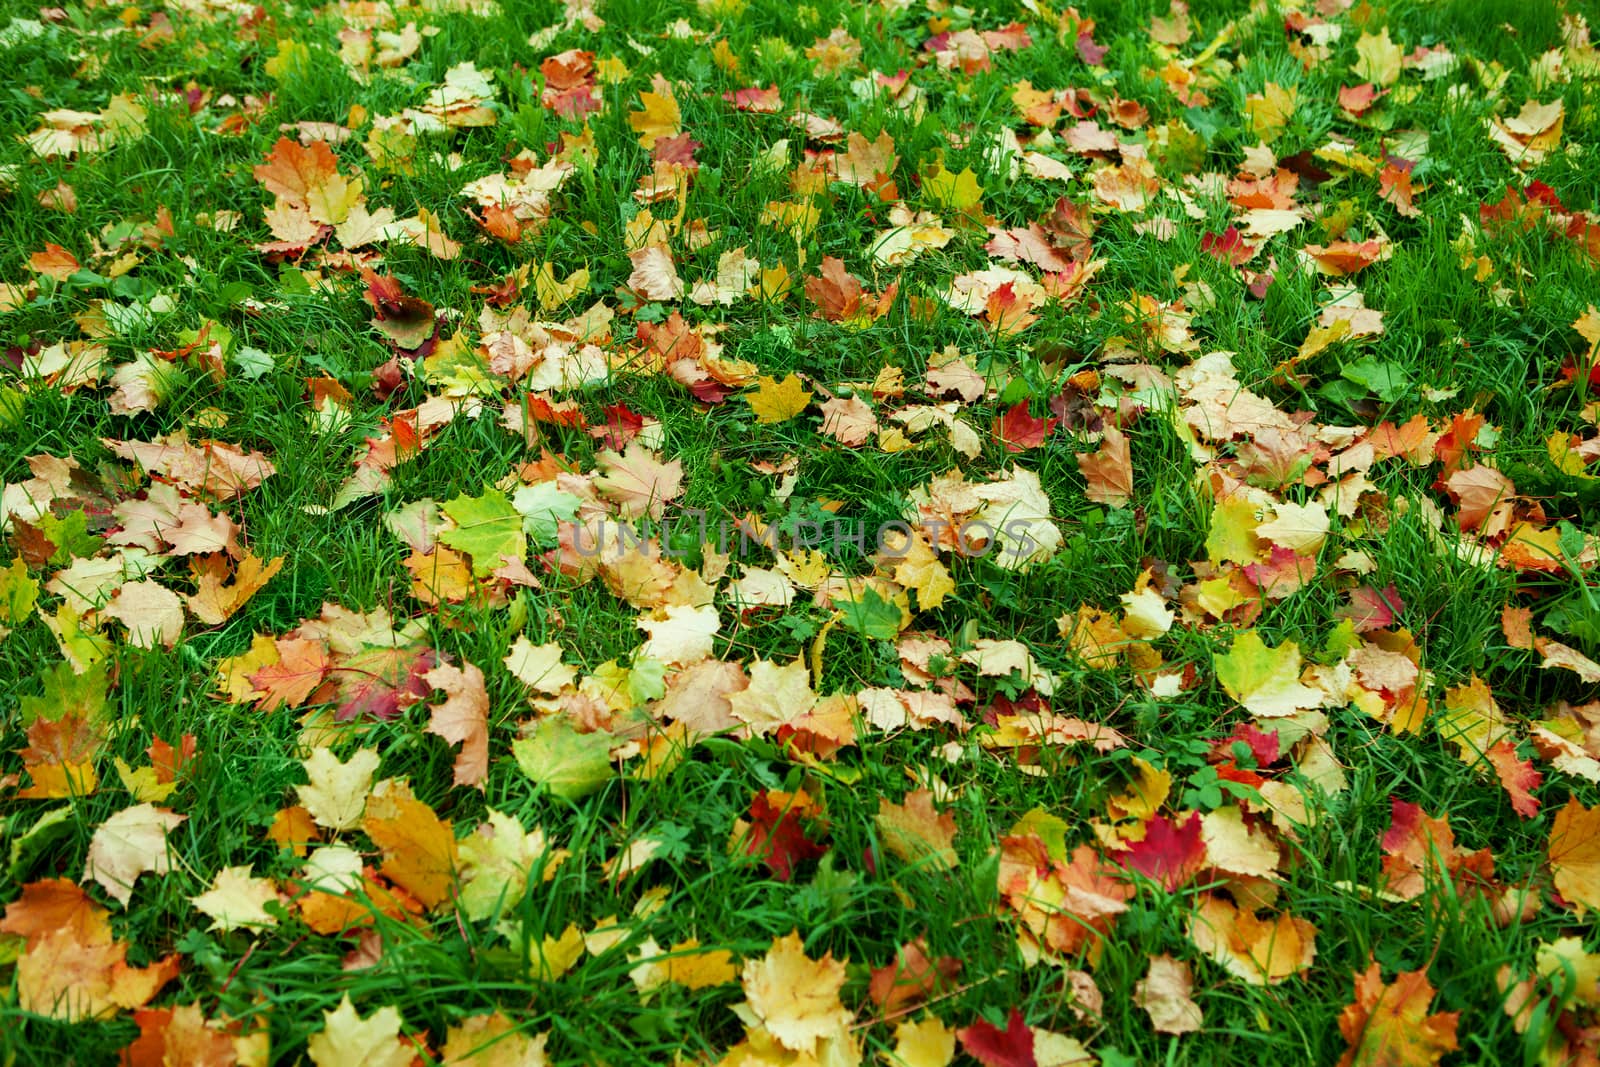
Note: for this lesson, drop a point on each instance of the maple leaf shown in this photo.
(637, 482)
(407, 321)
(1372, 609)
(1346, 257)
(775, 696)
(1394, 186)
(463, 719)
(184, 1035)
(215, 600)
(850, 421)
(1109, 470)
(487, 528)
(308, 176)
(69, 976)
(1388, 1024)
(1260, 952)
(336, 793)
(1377, 58)
(1019, 430)
(1419, 848)
(994, 1047)
(568, 763)
(539, 667)
(1268, 112)
(864, 161)
(957, 192)
(1266, 681)
(911, 978)
(917, 833)
(493, 1041)
(56, 904)
(654, 276)
(836, 292)
(925, 1042)
(777, 832)
(1517, 776)
(347, 1039)
(917, 567)
(1166, 994)
(419, 848)
(1171, 852)
(680, 635)
(381, 681)
(795, 998)
(293, 675)
(152, 613)
(126, 845)
(237, 900)
(658, 116)
(777, 401)
(496, 861)
(1574, 854)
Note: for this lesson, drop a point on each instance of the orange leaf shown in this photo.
(463, 719)
(1388, 1025)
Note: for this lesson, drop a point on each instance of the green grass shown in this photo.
(1498, 347)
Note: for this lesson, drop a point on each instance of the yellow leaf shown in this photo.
(659, 116)
(1269, 111)
(236, 900)
(778, 401)
(141, 782)
(917, 833)
(1232, 538)
(336, 794)
(698, 968)
(958, 192)
(492, 1041)
(1321, 337)
(128, 844)
(555, 956)
(793, 997)
(1378, 58)
(1265, 680)
(419, 849)
(348, 1039)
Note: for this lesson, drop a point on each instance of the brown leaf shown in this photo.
(463, 719)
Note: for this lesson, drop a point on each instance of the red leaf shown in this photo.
(1169, 854)
(1372, 609)
(1019, 430)
(994, 1047)
(778, 836)
(1229, 247)
(622, 425)
(1263, 745)
(1091, 53)
(764, 101)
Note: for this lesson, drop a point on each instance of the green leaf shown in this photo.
(65, 690)
(70, 534)
(1388, 380)
(647, 680)
(544, 508)
(19, 592)
(487, 528)
(872, 615)
(569, 764)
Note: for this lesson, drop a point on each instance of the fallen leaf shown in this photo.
(126, 845)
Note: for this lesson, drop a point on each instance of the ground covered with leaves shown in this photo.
(753, 533)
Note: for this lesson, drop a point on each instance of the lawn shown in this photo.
(746, 533)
